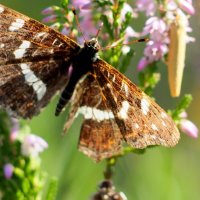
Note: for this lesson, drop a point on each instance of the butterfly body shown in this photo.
(37, 61)
(81, 64)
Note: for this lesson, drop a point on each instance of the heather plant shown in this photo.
(166, 22)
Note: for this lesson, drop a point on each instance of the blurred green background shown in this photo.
(161, 173)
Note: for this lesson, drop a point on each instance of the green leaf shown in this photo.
(126, 22)
(149, 78)
(126, 60)
(26, 185)
(52, 189)
(107, 26)
(103, 3)
(64, 3)
(181, 107)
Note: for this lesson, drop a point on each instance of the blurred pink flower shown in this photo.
(65, 30)
(15, 129)
(87, 25)
(86, 6)
(189, 128)
(157, 27)
(142, 64)
(50, 10)
(32, 145)
(129, 32)
(82, 5)
(183, 115)
(187, 6)
(49, 19)
(147, 6)
(157, 47)
(8, 170)
(86, 22)
(155, 24)
(154, 51)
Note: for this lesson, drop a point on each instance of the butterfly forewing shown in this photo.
(34, 62)
(141, 121)
(25, 28)
(27, 87)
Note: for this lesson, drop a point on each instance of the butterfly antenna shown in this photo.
(99, 30)
(115, 44)
(77, 22)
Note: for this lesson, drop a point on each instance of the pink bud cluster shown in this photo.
(158, 26)
(31, 145)
(188, 127)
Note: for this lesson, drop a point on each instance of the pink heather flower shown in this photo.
(158, 28)
(160, 37)
(186, 5)
(86, 6)
(189, 128)
(87, 26)
(8, 170)
(82, 5)
(14, 129)
(157, 47)
(183, 115)
(65, 30)
(155, 24)
(154, 51)
(147, 6)
(49, 19)
(142, 64)
(50, 10)
(86, 22)
(129, 32)
(33, 145)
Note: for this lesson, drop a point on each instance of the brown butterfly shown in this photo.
(37, 61)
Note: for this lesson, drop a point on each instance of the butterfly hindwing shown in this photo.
(100, 136)
(141, 121)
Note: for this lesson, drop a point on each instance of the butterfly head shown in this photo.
(92, 45)
(91, 48)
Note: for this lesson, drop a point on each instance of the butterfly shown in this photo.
(37, 61)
